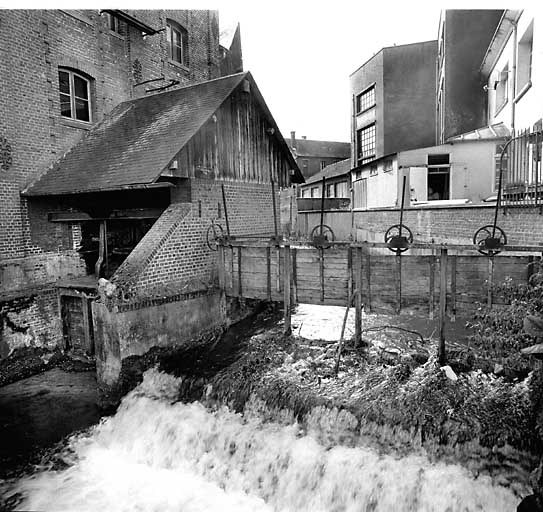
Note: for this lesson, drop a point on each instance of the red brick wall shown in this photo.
(173, 257)
(523, 226)
(35, 43)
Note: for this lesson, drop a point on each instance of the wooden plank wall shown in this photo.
(236, 144)
(388, 283)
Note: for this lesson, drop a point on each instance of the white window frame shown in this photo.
(71, 74)
(172, 28)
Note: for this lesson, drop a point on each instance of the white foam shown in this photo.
(154, 455)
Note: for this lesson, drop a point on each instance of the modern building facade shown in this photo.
(312, 156)
(393, 102)
(463, 170)
(512, 70)
(463, 39)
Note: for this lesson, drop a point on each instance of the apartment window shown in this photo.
(315, 192)
(365, 143)
(329, 190)
(74, 90)
(438, 177)
(502, 88)
(387, 165)
(178, 42)
(323, 164)
(365, 100)
(340, 189)
(373, 170)
(114, 23)
(524, 58)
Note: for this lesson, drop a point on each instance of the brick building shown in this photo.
(112, 160)
(312, 156)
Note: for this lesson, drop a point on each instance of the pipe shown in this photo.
(514, 76)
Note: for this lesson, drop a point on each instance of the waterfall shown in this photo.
(156, 454)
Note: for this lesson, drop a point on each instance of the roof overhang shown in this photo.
(133, 186)
(503, 31)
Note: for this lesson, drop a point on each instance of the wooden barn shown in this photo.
(137, 194)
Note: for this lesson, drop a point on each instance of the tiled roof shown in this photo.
(494, 131)
(134, 143)
(331, 171)
(322, 148)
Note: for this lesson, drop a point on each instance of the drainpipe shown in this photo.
(514, 77)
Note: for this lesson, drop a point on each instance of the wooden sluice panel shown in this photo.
(327, 280)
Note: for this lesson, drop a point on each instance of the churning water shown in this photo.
(157, 455)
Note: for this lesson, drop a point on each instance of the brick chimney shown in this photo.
(293, 140)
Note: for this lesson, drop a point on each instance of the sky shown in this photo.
(301, 53)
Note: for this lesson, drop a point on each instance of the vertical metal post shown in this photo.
(286, 290)
(442, 356)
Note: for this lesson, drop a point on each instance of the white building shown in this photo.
(513, 71)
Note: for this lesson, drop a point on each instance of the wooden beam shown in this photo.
(431, 297)
(453, 288)
(442, 356)
(368, 278)
(490, 281)
(358, 298)
(321, 271)
(268, 273)
(286, 290)
(222, 269)
(240, 289)
(294, 276)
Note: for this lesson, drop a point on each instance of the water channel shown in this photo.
(159, 454)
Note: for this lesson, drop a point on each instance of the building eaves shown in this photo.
(499, 40)
(331, 171)
(131, 147)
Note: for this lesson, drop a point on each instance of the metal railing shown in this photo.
(520, 173)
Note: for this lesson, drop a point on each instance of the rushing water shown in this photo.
(158, 455)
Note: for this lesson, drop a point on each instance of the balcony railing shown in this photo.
(520, 171)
